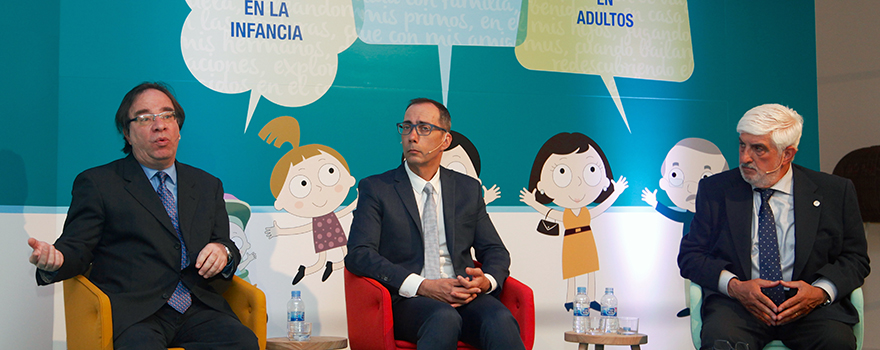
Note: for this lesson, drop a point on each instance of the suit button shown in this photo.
(177, 246)
(165, 296)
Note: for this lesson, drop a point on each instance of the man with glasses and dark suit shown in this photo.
(413, 231)
(154, 232)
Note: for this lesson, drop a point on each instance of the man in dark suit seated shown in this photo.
(154, 232)
(438, 296)
(776, 247)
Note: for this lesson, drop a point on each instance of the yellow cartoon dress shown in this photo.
(579, 254)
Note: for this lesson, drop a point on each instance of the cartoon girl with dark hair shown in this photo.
(571, 171)
(310, 181)
(462, 156)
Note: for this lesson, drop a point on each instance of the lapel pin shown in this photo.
(816, 204)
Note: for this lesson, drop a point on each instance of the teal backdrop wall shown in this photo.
(65, 77)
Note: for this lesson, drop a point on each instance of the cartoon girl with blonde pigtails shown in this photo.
(571, 171)
(310, 181)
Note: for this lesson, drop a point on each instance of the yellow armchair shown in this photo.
(90, 324)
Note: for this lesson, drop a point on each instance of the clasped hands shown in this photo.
(749, 294)
(211, 260)
(456, 291)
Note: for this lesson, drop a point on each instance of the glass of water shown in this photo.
(301, 330)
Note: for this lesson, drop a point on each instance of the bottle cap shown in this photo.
(609, 290)
(294, 294)
(582, 290)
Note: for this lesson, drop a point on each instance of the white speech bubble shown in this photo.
(444, 23)
(643, 39)
(284, 50)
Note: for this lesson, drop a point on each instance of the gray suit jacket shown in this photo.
(386, 244)
(829, 235)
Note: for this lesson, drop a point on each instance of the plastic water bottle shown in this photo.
(581, 311)
(296, 312)
(609, 310)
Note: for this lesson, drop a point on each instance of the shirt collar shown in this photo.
(418, 183)
(171, 171)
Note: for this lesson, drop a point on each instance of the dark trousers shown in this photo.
(200, 327)
(726, 319)
(484, 322)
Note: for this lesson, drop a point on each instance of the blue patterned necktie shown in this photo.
(431, 230)
(768, 247)
(181, 299)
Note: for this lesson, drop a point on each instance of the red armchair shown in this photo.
(371, 325)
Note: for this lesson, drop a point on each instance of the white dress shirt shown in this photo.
(412, 282)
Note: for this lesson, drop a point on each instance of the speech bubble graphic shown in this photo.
(444, 23)
(284, 50)
(643, 39)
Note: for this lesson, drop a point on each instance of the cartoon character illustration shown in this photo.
(239, 214)
(688, 162)
(571, 171)
(310, 181)
(462, 156)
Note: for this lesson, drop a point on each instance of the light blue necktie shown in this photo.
(431, 233)
(768, 247)
(181, 299)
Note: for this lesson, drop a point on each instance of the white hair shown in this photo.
(783, 124)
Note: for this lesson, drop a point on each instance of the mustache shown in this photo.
(748, 166)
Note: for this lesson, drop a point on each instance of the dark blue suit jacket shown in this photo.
(117, 225)
(829, 235)
(385, 242)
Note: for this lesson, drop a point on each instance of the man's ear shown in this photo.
(663, 183)
(788, 154)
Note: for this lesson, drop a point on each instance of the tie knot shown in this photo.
(429, 189)
(162, 176)
(765, 193)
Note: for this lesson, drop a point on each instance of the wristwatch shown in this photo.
(228, 254)
(827, 299)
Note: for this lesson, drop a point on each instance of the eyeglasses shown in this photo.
(148, 119)
(423, 129)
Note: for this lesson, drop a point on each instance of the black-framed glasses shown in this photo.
(148, 119)
(422, 129)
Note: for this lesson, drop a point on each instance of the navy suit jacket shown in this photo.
(829, 235)
(117, 225)
(385, 242)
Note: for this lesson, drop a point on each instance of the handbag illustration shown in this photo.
(550, 228)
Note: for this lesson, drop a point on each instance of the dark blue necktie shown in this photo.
(768, 246)
(181, 299)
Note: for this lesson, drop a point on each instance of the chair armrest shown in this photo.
(858, 300)
(695, 303)
(520, 299)
(249, 304)
(87, 315)
(368, 311)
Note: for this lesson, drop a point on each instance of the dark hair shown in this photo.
(468, 147)
(123, 120)
(566, 143)
(445, 118)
